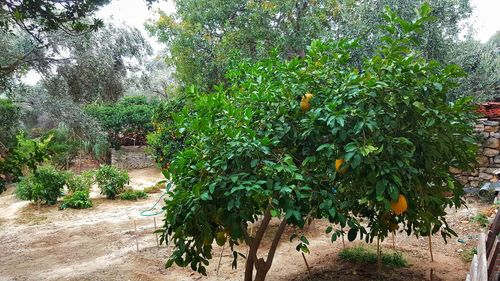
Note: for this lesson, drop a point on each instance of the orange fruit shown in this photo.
(305, 102)
(338, 164)
(400, 206)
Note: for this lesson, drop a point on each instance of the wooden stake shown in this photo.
(343, 242)
(394, 240)
(220, 260)
(136, 241)
(430, 248)
(379, 260)
(307, 265)
(156, 234)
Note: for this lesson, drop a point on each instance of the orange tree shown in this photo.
(270, 143)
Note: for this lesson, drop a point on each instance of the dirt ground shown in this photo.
(100, 244)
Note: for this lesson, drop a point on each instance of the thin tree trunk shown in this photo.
(430, 248)
(379, 258)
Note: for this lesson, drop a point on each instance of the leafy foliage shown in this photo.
(64, 145)
(9, 124)
(361, 254)
(204, 36)
(111, 180)
(248, 149)
(166, 139)
(132, 195)
(81, 182)
(27, 153)
(127, 121)
(44, 184)
(99, 64)
(24, 26)
(77, 200)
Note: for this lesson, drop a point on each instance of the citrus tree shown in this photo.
(314, 137)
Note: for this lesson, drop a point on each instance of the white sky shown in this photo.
(485, 19)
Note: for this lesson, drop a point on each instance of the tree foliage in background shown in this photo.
(9, 124)
(203, 36)
(97, 64)
(127, 121)
(24, 26)
(250, 150)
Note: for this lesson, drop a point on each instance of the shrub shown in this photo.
(128, 117)
(78, 200)
(111, 180)
(63, 146)
(155, 188)
(361, 254)
(481, 219)
(133, 195)
(45, 184)
(27, 153)
(80, 182)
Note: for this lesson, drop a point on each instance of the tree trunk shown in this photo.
(261, 275)
(249, 268)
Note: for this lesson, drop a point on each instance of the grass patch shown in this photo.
(467, 255)
(360, 254)
(155, 188)
(481, 219)
(133, 195)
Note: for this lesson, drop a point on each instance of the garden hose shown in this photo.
(151, 211)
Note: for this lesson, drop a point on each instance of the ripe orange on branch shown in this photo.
(338, 164)
(400, 206)
(305, 102)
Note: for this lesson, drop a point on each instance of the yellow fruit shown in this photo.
(305, 102)
(221, 238)
(338, 164)
(399, 206)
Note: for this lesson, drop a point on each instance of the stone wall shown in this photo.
(131, 157)
(488, 155)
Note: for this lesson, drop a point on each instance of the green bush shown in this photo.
(130, 116)
(78, 200)
(26, 154)
(63, 146)
(133, 195)
(45, 184)
(360, 254)
(80, 182)
(111, 180)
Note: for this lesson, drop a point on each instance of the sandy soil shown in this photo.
(99, 244)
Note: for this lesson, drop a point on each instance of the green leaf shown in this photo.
(351, 235)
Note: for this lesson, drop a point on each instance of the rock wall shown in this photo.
(131, 157)
(488, 155)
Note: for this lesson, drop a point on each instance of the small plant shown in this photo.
(481, 219)
(79, 182)
(45, 184)
(467, 255)
(111, 180)
(78, 200)
(360, 254)
(155, 188)
(133, 195)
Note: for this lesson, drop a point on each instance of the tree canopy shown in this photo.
(202, 36)
(317, 136)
